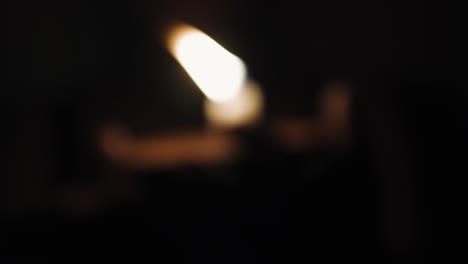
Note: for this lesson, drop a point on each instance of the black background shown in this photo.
(397, 197)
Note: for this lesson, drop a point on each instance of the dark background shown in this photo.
(395, 197)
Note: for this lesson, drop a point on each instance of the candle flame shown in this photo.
(219, 74)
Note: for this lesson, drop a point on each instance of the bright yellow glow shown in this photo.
(242, 110)
(218, 73)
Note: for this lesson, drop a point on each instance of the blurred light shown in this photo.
(200, 147)
(241, 110)
(335, 112)
(218, 73)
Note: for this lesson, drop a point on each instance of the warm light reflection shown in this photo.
(218, 73)
(200, 147)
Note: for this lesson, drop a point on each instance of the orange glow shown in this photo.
(191, 147)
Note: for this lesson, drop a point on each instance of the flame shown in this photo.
(242, 110)
(219, 74)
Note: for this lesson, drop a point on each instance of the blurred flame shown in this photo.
(244, 109)
(217, 72)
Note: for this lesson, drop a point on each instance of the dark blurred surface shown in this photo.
(394, 196)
